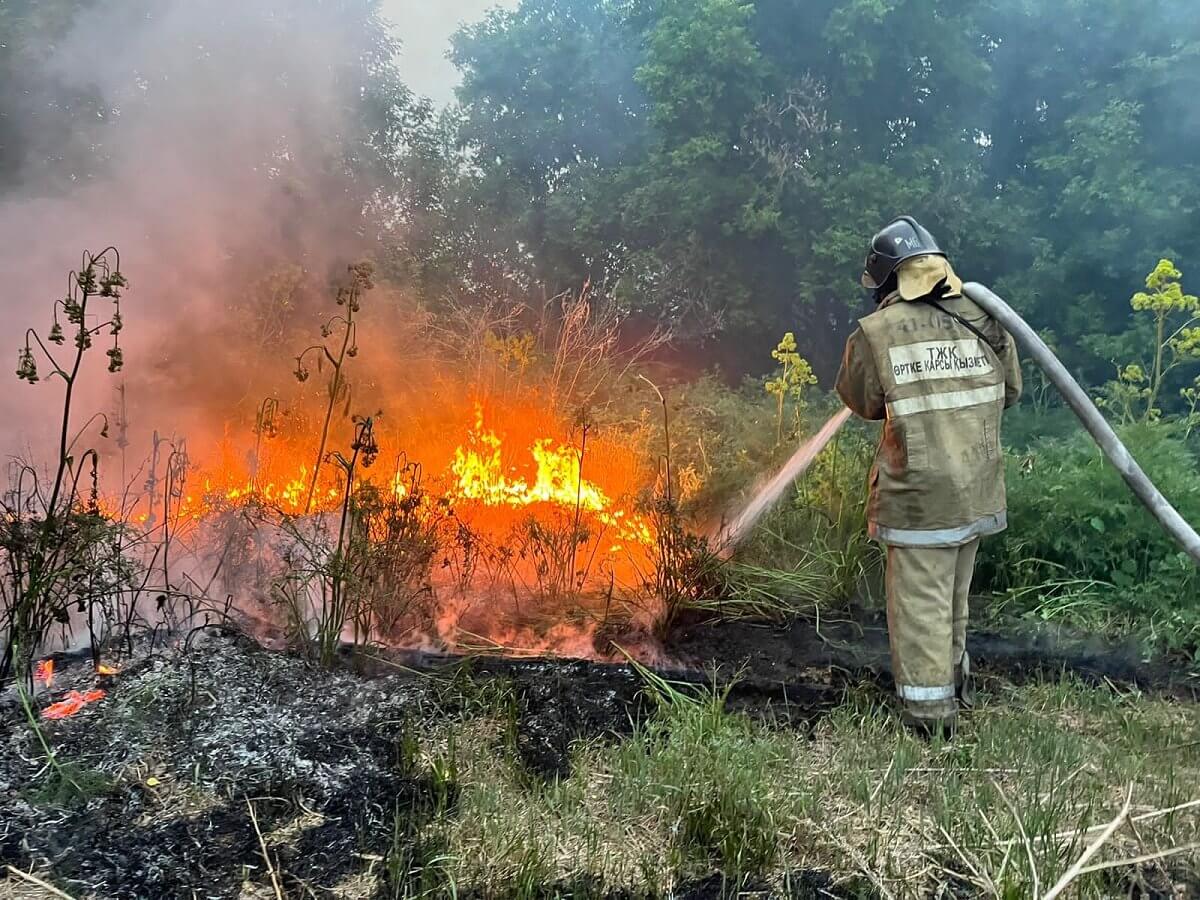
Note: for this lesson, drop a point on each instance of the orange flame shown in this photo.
(105, 669)
(478, 475)
(44, 672)
(559, 480)
(487, 477)
(74, 702)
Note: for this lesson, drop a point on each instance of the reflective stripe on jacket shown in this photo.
(938, 478)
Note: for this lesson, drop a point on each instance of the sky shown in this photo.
(425, 27)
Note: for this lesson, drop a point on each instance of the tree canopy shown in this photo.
(720, 164)
(724, 162)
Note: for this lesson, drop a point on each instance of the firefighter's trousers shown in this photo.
(927, 592)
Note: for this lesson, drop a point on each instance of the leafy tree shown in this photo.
(731, 158)
(1088, 139)
(549, 108)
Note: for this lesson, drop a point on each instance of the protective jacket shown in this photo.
(938, 477)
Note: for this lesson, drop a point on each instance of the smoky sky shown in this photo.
(424, 29)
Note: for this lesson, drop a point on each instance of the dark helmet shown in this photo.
(902, 239)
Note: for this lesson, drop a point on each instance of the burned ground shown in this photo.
(854, 646)
(161, 776)
(162, 788)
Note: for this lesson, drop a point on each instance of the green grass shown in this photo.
(703, 776)
(699, 790)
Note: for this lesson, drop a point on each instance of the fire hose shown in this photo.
(1077, 399)
(1097, 426)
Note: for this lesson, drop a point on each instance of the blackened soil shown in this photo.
(107, 850)
(553, 703)
(326, 758)
(557, 705)
(853, 646)
(808, 884)
(116, 851)
(789, 675)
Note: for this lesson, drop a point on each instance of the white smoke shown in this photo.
(426, 29)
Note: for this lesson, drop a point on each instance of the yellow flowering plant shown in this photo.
(1135, 394)
(792, 377)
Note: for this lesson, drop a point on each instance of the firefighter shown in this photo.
(938, 372)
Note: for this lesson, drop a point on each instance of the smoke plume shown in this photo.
(211, 141)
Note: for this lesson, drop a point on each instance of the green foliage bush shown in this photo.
(1026, 427)
(812, 547)
(1080, 543)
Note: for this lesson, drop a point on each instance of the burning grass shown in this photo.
(480, 479)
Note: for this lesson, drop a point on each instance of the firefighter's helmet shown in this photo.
(903, 239)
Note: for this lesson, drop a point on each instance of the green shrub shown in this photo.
(811, 548)
(1027, 426)
(1080, 546)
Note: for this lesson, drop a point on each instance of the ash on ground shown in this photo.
(162, 788)
(159, 787)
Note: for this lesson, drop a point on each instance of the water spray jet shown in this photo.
(732, 533)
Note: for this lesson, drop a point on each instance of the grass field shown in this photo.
(858, 808)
